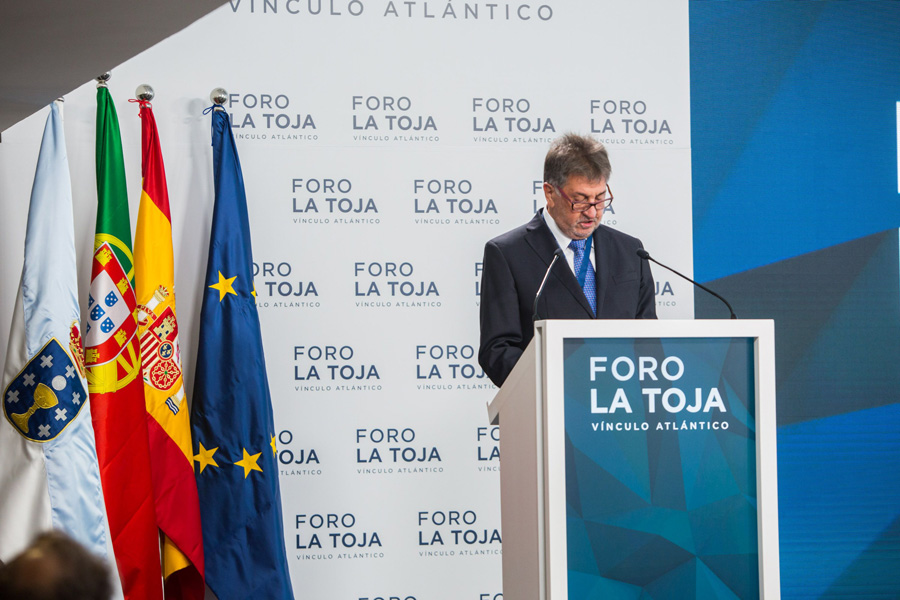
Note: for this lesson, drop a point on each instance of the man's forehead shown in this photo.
(580, 181)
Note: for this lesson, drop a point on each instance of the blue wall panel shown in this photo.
(796, 209)
(793, 128)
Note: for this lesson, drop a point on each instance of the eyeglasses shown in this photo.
(600, 205)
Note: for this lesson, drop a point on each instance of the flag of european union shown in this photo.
(231, 416)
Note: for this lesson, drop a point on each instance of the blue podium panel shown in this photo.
(661, 468)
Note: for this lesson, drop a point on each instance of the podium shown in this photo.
(640, 456)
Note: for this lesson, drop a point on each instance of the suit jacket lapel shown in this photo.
(544, 244)
(602, 253)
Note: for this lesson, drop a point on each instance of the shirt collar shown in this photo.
(561, 238)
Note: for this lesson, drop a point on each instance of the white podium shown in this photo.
(640, 456)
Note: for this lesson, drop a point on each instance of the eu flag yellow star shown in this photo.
(274, 449)
(205, 457)
(249, 463)
(224, 286)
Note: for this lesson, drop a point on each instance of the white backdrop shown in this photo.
(382, 144)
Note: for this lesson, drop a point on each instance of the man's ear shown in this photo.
(548, 194)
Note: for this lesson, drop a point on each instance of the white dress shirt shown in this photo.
(563, 241)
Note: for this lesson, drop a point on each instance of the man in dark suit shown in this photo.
(604, 277)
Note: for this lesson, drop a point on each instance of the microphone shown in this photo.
(556, 256)
(646, 256)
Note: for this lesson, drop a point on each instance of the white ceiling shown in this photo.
(50, 47)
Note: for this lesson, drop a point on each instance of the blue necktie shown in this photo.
(589, 286)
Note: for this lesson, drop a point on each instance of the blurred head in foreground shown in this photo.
(55, 567)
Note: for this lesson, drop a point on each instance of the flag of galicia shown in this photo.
(48, 461)
(231, 415)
